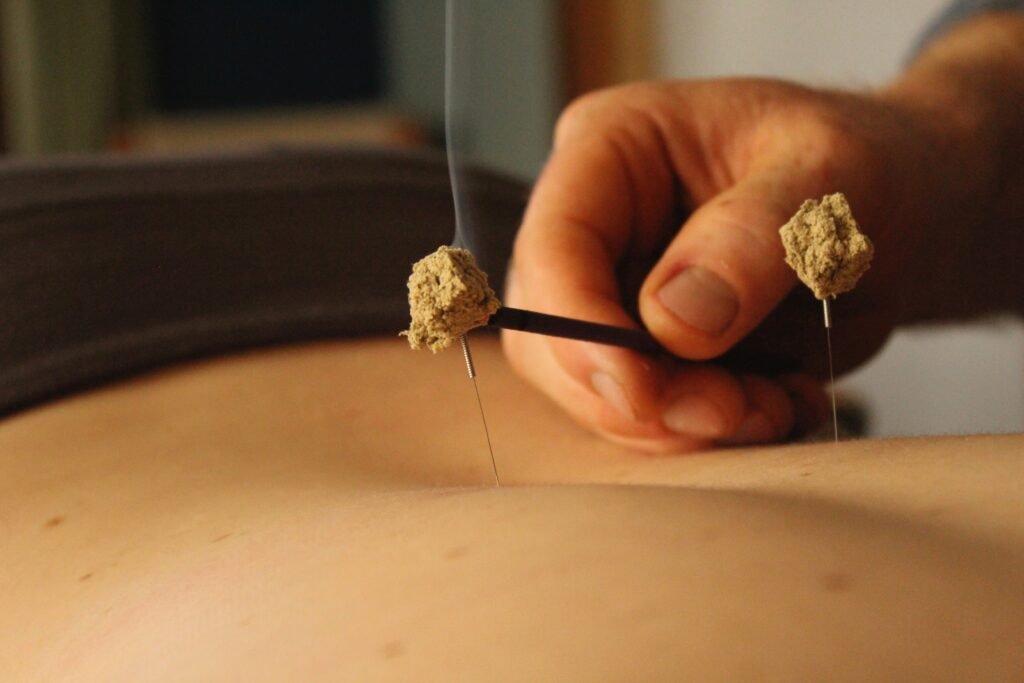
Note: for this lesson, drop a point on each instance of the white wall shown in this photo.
(942, 381)
(846, 42)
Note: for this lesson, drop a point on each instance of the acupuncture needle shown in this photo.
(471, 369)
(831, 376)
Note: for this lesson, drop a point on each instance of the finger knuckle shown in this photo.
(598, 109)
(831, 136)
(578, 113)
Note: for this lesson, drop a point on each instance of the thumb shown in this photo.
(725, 270)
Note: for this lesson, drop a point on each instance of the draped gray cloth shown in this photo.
(110, 266)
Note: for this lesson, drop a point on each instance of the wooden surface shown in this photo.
(252, 130)
(606, 42)
(322, 511)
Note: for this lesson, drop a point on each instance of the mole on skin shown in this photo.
(392, 650)
(836, 582)
(448, 297)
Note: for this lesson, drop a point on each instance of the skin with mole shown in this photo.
(825, 247)
(448, 296)
(481, 570)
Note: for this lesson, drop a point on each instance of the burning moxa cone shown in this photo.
(829, 254)
(825, 246)
(448, 297)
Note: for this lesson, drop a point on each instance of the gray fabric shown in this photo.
(109, 266)
(958, 12)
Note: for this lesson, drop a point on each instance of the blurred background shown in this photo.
(186, 76)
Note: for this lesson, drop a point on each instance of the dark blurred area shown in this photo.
(180, 76)
(231, 54)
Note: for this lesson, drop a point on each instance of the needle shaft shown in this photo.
(471, 369)
(831, 376)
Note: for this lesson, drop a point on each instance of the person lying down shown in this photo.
(325, 511)
(251, 518)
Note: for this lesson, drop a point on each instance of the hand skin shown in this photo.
(649, 181)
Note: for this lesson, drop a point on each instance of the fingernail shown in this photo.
(611, 391)
(700, 299)
(694, 416)
(755, 428)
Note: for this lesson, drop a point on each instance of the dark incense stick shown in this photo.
(570, 328)
(638, 340)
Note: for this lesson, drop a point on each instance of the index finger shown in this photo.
(607, 190)
(608, 193)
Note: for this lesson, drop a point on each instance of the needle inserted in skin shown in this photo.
(831, 376)
(472, 375)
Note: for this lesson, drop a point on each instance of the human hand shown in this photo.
(664, 201)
